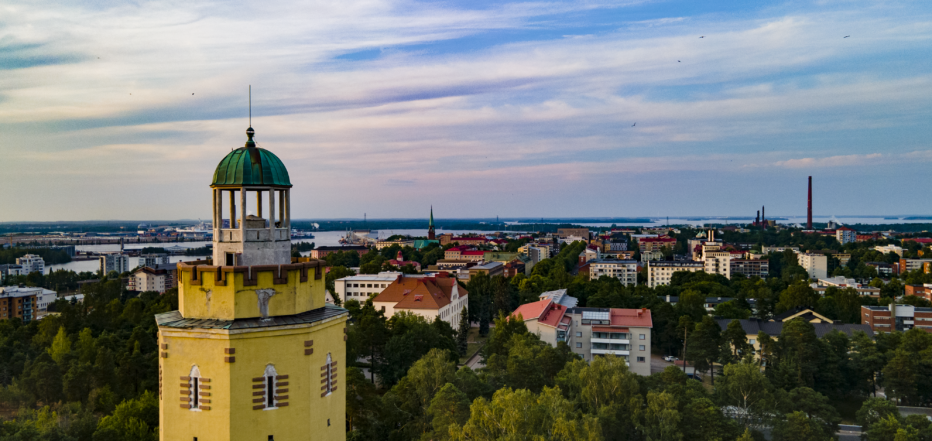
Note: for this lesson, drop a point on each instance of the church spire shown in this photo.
(430, 226)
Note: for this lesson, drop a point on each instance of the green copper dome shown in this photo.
(250, 165)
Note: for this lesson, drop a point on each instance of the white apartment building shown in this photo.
(626, 271)
(11, 270)
(363, 286)
(660, 272)
(815, 264)
(158, 278)
(890, 249)
(152, 260)
(31, 263)
(114, 262)
(845, 235)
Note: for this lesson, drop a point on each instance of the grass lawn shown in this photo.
(475, 342)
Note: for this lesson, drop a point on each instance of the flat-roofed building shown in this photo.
(815, 264)
(924, 290)
(118, 262)
(582, 233)
(908, 265)
(363, 286)
(626, 271)
(845, 235)
(895, 317)
(31, 263)
(660, 272)
(321, 252)
(490, 269)
(25, 303)
(751, 267)
(152, 260)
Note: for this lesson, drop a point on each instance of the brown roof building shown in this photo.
(428, 297)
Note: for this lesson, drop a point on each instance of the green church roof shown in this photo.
(250, 165)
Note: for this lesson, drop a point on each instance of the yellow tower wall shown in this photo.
(227, 293)
(232, 415)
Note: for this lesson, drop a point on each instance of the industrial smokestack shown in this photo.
(757, 220)
(763, 214)
(809, 212)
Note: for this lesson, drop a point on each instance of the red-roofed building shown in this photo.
(593, 332)
(845, 235)
(428, 297)
(462, 240)
(400, 262)
(921, 240)
(656, 243)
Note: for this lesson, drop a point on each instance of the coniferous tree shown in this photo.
(462, 334)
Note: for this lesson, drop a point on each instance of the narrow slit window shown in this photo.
(270, 384)
(195, 399)
(329, 376)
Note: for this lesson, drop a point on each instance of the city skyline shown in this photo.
(555, 109)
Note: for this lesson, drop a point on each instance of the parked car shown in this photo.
(670, 358)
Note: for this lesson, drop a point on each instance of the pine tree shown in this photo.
(462, 333)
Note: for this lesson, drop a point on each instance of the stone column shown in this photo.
(272, 214)
(242, 210)
(288, 208)
(232, 209)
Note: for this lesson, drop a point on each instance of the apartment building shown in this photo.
(11, 270)
(464, 252)
(924, 291)
(152, 260)
(886, 249)
(490, 269)
(429, 297)
(593, 332)
(379, 245)
(569, 232)
(118, 262)
(845, 235)
(895, 317)
(907, 265)
(31, 263)
(626, 271)
(815, 264)
(157, 278)
(321, 252)
(751, 267)
(660, 272)
(646, 244)
(25, 303)
(590, 253)
(363, 286)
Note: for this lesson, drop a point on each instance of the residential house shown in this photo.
(429, 297)
(626, 271)
(157, 278)
(362, 286)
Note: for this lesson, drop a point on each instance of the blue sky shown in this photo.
(519, 109)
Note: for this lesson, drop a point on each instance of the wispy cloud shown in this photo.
(467, 99)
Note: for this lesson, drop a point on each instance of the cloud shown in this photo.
(359, 96)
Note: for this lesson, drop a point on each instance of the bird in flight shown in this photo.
(678, 61)
(846, 36)
(192, 94)
(702, 36)
(632, 125)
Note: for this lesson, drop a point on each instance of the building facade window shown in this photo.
(641, 360)
(194, 386)
(328, 378)
(578, 344)
(642, 337)
(641, 348)
(270, 384)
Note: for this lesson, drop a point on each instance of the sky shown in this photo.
(122, 109)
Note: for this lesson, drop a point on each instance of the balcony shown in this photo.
(610, 352)
(610, 341)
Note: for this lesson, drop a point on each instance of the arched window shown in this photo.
(329, 374)
(270, 384)
(194, 388)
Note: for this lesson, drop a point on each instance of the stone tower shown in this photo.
(254, 352)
